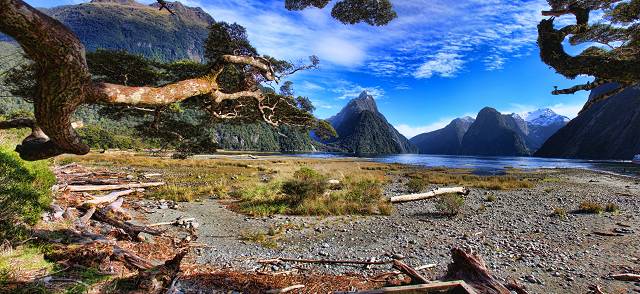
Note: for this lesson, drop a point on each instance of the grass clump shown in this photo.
(560, 213)
(612, 208)
(306, 183)
(450, 204)
(417, 184)
(182, 193)
(25, 192)
(590, 207)
(491, 198)
(307, 193)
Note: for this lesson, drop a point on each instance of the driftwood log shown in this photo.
(109, 197)
(430, 194)
(85, 188)
(416, 277)
(472, 269)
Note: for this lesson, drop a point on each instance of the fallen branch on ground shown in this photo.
(430, 194)
(287, 289)
(626, 277)
(173, 223)
(471, 268)
(282, 259)
(130, 229)
(113, 196)
(416, 277)
(85, 188)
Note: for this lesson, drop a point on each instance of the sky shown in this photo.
(440, 59)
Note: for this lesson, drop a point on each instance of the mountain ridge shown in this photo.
(363, 130)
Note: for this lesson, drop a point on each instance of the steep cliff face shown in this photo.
(138, 28)
(363, 130)
(608, 130)
(494, 134)
(444, 141)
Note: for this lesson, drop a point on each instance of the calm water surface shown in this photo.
(496, 164)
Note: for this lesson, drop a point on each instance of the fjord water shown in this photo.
(497, 164)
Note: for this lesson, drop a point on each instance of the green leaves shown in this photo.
(372, 12)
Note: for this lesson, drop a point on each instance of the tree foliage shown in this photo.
(372, 12)
(232, 86)
(615, 52)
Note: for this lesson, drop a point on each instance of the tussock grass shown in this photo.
(449, 204)
(560, 213)
(306, 193)
(590, 207)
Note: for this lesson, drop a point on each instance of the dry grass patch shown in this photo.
(420, 180)
(307, 193)
(590, 207)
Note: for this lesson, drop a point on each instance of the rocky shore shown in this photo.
(523, 234)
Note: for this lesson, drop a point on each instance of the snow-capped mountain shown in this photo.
(544, 117)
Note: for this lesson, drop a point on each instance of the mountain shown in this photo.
(495, 134)
(137, 28)
(542, 124)
(444, 141)
(363, 130)
(609, 129)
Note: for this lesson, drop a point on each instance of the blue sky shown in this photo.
(440, 59)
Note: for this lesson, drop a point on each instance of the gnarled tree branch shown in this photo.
(64, 82)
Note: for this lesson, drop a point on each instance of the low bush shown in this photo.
(417, 184)
(307, 194)
(590, 207)
(560, 213)
(491, 198)
(450, 204)
(25, 191)
(612, 207)
(306, 183)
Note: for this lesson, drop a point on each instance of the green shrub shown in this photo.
(450, 204)
(491, 198)
(306, 183)
(417, 184)
(25, 191)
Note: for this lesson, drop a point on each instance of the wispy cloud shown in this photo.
(349, 90)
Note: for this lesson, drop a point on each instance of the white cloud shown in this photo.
(410, 131)
(349, 90)
(444, 64)
(568, 110)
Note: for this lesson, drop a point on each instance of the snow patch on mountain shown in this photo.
(543, 117)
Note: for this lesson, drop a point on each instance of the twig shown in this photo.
(416, 277)
(626, 277)
(282, 259)
(287, 289)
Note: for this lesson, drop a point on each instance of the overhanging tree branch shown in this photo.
(63, 83)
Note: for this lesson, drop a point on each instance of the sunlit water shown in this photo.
(496, 164)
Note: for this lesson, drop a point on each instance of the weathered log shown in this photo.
(130, 229)
(85, 188)
(416, 277)
(626, 277)
(109, 197)
(286, 289)
(283, 259)
(434, 287)
(430, 194)
(86, 217)
(159, 278)
(471, 268)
